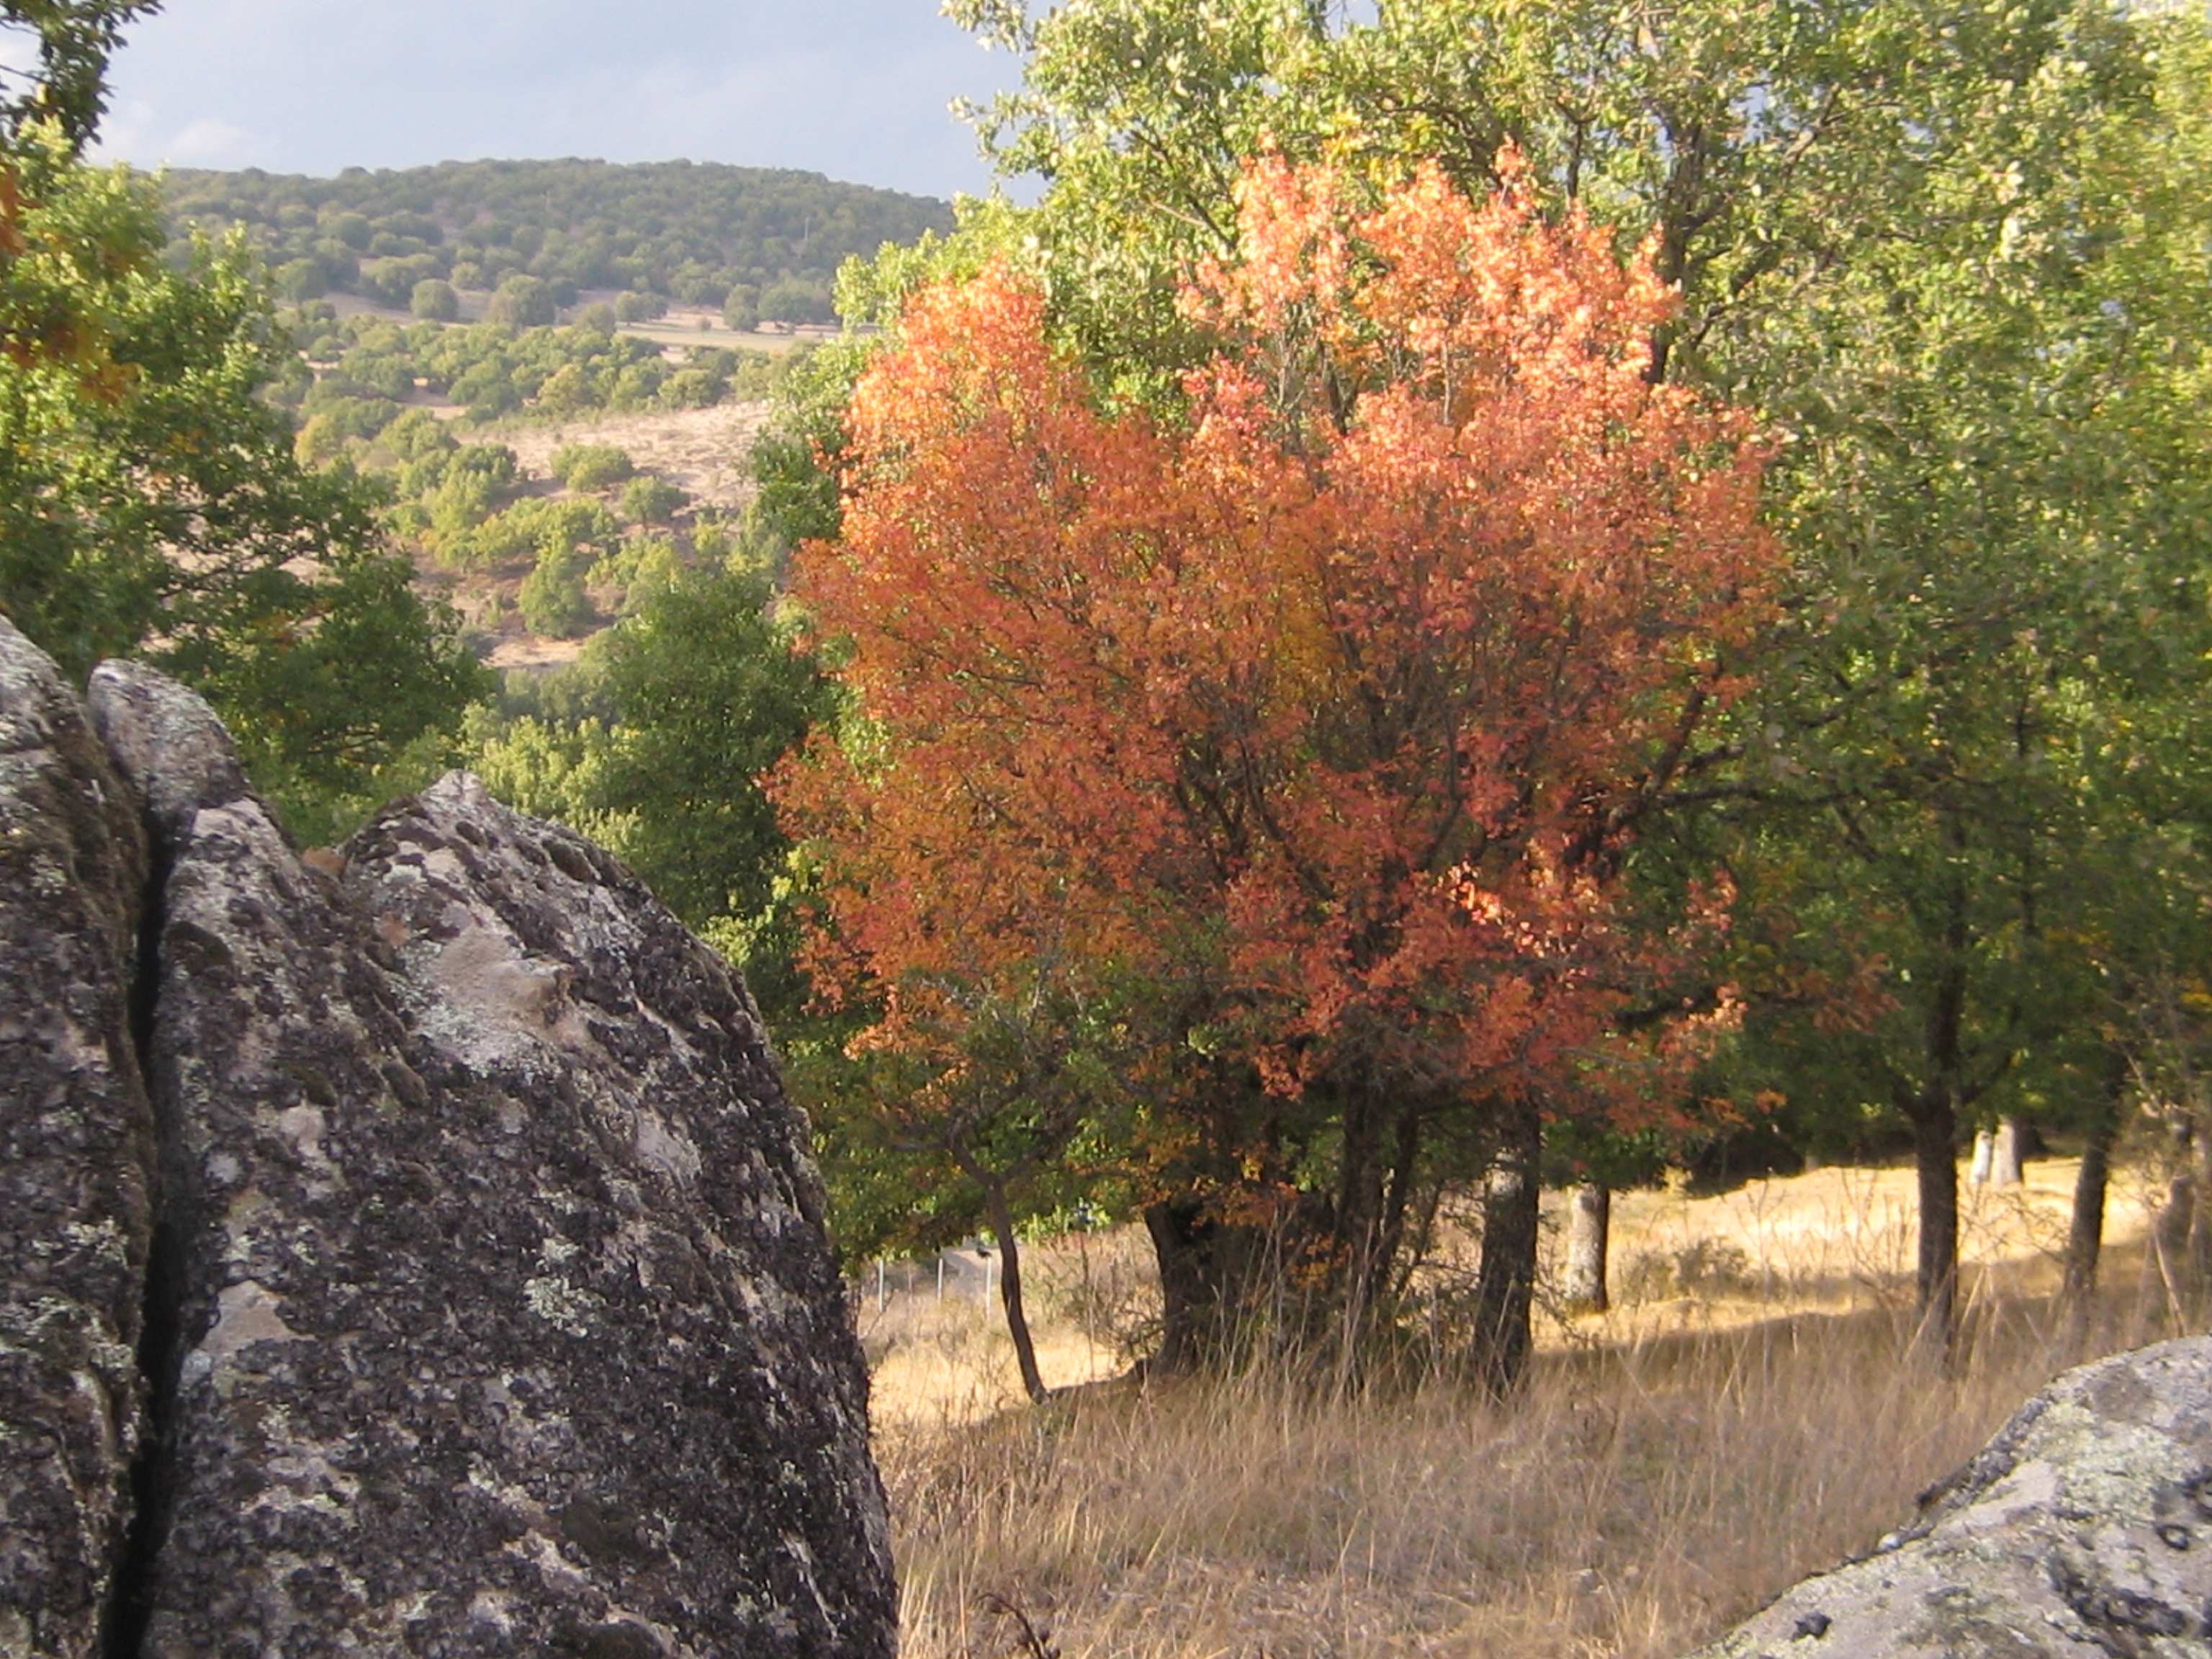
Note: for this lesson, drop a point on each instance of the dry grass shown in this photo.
(1672, 1465)
(707, 451)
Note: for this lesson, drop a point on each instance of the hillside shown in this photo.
(698, 234)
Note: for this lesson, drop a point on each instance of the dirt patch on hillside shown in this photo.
(705, 451)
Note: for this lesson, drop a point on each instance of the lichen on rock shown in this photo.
(495, 1310)
(76, 1161)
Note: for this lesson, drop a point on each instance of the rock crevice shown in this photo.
(476, 1267)
(122, 1626)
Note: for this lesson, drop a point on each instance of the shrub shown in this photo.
(434, 300)
(521, 302)
(551, 598)
(591, 466)
(648, 499)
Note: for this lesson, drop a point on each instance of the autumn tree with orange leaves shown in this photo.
(1326, 714)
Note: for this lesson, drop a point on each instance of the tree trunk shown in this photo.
(1589, 1230)
(1358, 1219)
(1397, 1200)
(2010, 1153)
(1935, 1155)
(1002, 1214)
(1189, 1299)
(2085, 1231)
(1229, 1290)
(1932, 1107)
(1985, 1156)
(1505, 1287)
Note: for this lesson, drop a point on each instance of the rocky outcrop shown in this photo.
(76, 1161)
(2084, 1527)
(491, 1309)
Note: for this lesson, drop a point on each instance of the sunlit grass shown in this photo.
(1671, 1466)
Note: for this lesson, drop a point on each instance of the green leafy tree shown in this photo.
(521, 302)
(74, 40)
(591, 466)
(647, 499)
(1893, 229)
(551, 598)
(693, 698)
(567, 390)
(151, 504)
(434, 300)
(298, 281)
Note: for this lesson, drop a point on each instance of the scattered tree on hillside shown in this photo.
(433, 301)
(521, 302)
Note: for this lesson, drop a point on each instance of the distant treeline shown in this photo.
(758, 244)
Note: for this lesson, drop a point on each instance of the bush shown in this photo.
(639, 307)
(591, 466)
(567, 391)
(418, 432)
(521, 302)
(648, 499)
(436, 301)
(692, 388)
(299, 280)
(552, 600)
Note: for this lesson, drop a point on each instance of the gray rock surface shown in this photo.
(2083, 1528)
(76, 1160)
(489, 1309)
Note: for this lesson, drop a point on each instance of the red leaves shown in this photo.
(1356, 674)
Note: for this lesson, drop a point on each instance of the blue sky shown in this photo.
(854, 89)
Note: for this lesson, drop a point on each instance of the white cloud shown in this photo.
(207, 142)
(126, 132)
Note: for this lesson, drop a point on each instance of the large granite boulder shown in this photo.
(76, 1161)
(2084, 1527)
(507, 1321)
(487, 1307)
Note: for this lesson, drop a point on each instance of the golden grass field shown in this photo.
(1748, 1415)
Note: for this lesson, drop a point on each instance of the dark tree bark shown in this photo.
(2010, 1153)
(1216, 1277)
(1951, 1081)
(1590, 1230)
(1935, 1280)
(1359, 1221)
(1001, 1213)
(1506, 1282)
(2085, 1231)
(1181, 1246)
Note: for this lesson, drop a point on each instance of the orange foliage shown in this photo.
(1350, 684)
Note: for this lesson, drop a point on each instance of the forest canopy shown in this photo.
(697, 233)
